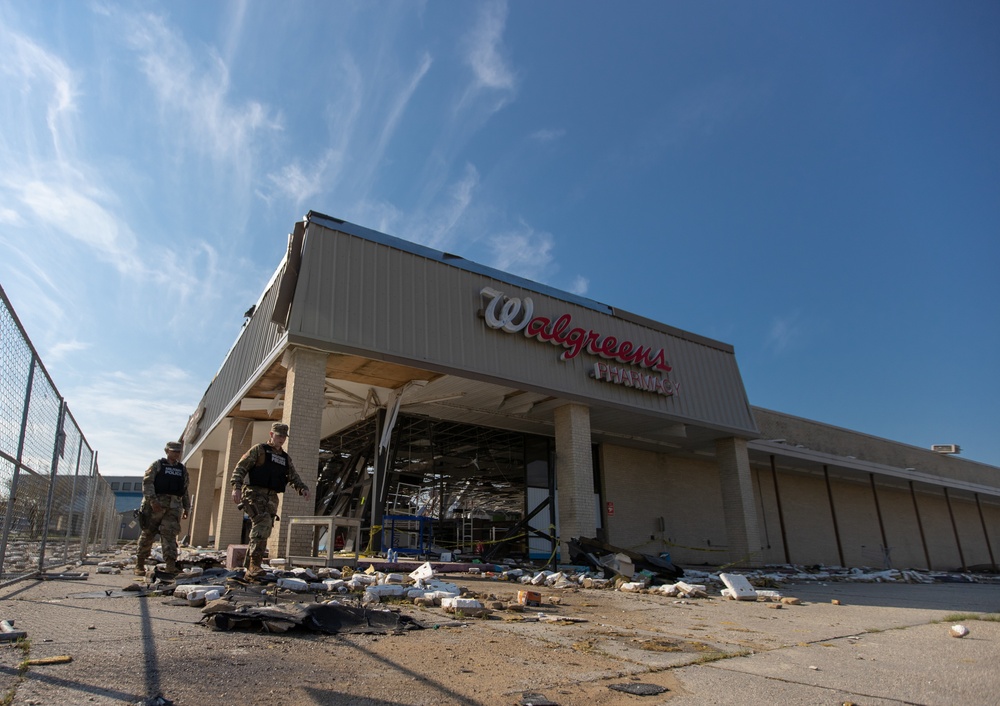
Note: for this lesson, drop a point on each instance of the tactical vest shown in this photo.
(272, 472)
(169, 480)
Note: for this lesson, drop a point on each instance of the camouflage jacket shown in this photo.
(254, 457)
(149, 488)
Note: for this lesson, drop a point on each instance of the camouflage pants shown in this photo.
(166, 523)
(261, 506)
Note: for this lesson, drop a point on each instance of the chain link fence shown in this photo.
(54, 506)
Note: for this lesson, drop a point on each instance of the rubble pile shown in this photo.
(287, 597)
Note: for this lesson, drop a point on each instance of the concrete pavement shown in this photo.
(881, 645)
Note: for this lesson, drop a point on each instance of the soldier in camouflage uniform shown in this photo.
(258, 477)
(165, 502)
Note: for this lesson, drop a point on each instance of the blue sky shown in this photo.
(817, 184)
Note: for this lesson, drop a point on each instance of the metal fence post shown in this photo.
(72, 499)
(57, 451)
(89, 510)
(17, 467)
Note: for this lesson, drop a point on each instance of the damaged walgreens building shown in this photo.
(440, 406)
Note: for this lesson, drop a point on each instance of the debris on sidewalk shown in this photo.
(329, 618)
(738, 588)
(64, 576)
(638, 688)
(959, 631)
(622, 562)
(8, 633)
(58, 659)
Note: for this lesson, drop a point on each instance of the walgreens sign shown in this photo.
(513, 315)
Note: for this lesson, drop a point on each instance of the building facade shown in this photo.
(128, 497)
(453, 407)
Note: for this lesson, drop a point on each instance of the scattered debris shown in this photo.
(468, 607)
(58, 659)
(737, 587)
(533, 699)
(330, 618)
(529, 598)
(622, 562)
(639, 689)
(8, 633)
(64, 576)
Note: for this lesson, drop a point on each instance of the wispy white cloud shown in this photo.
(41, 174)
(783, 333)
(437, 226)
(301, 185)
(39, 291)
(128, 416)
(76, 213)
(492, 78)
(442, 230)
(580, 285)
(57, 193)
(234, 23)
(61, 350)
(196, 90)
(483, 49)
(398, 107)
(524, 252)
(9, 216)
(379, 215)
(547, 135)
(36, 69)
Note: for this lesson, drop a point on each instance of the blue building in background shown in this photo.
(128, 497)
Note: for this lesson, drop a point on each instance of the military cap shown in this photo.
(279, 428)
(173, 446)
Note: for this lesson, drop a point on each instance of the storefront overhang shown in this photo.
(513, 349)
(455, 340)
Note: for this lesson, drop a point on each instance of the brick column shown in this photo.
(574, 475)
(303, 413)
(187, 526)
(204, 494)
(742, 531)
(229, 518)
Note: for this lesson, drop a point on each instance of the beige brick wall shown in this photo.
(738, 506)
(574, 474)
(857, 521)
(204, 492)
(228, 518)
(901, 529)
(645, 486)
(304, 404)
(809, 524)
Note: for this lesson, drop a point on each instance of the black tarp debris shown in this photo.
(64, 576)
(639, 689)
(584, 550)
(329, 618)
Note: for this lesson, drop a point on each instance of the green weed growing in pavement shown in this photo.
(24, 644)
(957, 617)
(716, 656)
